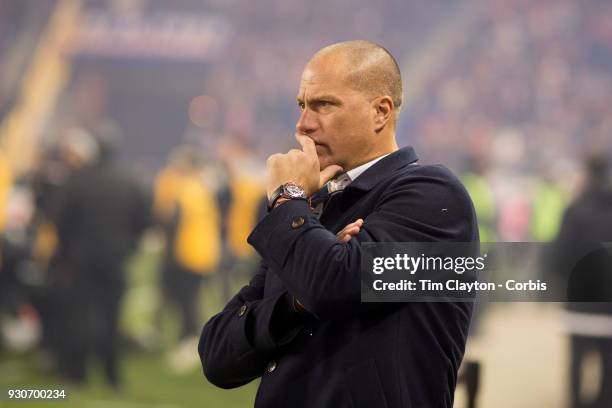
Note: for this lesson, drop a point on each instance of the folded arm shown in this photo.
(324, 273)
(236, 344)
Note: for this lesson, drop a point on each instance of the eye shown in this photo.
(302, 106)
(322, 105)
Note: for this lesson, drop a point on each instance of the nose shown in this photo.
(307, 123)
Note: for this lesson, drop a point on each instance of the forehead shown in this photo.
(327, 76)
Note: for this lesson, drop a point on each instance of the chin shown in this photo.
(324, 161)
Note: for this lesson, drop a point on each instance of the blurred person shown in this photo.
(168, 184)
(587, 223)
(6, 182)
(28, 243)
(19, 323)
(100, 218)
(479, 187)
(299, 324)
(246, 191)
(32, 280)
(186, 205)
(549, 202)
(476, 181)
(38, 269)
(73, 150)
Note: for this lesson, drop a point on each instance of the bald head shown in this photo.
(349, 99)
(370, 68)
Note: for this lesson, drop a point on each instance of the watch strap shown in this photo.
(274, 197)
(281, 192)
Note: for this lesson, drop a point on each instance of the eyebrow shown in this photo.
(328, 97)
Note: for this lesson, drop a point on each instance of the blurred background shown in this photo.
(133, 139)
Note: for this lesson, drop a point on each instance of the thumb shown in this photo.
(329, 172)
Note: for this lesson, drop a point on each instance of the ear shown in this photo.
(383, 111)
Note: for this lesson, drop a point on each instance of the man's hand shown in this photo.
(299, 166)
(349, 231)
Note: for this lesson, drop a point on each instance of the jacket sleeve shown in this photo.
(236, 344)
(324, 274)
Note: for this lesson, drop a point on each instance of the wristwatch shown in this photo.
(290, 191)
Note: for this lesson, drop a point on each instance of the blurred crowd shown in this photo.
(524, 97)
(73, 224)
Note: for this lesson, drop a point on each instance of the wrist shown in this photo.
(285, 192)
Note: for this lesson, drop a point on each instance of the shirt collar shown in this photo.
(357, 171)
(401, 158)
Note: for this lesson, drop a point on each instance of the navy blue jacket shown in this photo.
(344, 353)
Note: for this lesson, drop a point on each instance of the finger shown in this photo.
(329, 172)
(353, 230)
(344, 239)
(308, 146)
(355, 224)
(342, 233)
(349, 231)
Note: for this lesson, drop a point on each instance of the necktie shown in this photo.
(320, 200)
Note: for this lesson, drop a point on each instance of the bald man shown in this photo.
(300, 324)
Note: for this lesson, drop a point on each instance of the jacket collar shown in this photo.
(381, 169)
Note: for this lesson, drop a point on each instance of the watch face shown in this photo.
(294, 191)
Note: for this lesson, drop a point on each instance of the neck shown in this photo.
(379, 150)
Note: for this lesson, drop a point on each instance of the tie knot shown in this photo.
(339, 183)
(319, 200)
